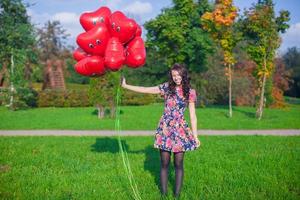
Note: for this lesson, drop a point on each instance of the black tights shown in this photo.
(164, 166)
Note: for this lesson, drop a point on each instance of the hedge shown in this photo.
(80, 98)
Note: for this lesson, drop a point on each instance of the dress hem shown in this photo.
(157, 147)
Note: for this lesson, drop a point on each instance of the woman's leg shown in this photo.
(178, 163)
(164, 166)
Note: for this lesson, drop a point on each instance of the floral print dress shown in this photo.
(173, 133)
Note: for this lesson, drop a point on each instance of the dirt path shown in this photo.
(286, 132)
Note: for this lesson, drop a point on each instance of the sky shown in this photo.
(69, 11)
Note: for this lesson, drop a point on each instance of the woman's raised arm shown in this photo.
(148, 90)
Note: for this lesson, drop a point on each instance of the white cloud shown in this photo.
(139, 8)
(66, 17)
(294, 31)
(69, 21)
(291, 37)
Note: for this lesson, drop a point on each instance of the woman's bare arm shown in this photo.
(193, 117)
(148, 90)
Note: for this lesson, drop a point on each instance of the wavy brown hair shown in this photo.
(181, 69)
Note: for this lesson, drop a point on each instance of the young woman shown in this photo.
(173, 133)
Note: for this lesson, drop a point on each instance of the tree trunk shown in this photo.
(100, 111)
(259, 110)
(229, 89)
(112, 111)
(3, 75)
(12, 88)
(28, 73)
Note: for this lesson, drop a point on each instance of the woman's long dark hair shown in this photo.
(181, 69)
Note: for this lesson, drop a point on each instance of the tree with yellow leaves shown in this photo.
(219, 24)
(261, 30)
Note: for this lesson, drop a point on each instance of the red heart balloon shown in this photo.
(90, 66)
(135, 53)
(114, 54)
(122, 27)
(89, 20)
(138, 31)
(79, 54)
(95, 40)
(80, 68)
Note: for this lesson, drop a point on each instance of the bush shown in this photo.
(214, 86)
(28, 96)
(243, 91)
(61, 98)
(133, 98)
(4, 96)
(244, 88)
(80, 98)
(22, 98)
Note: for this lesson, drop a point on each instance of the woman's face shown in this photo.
(176, 77)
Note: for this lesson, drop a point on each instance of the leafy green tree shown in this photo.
(155, 69)
(261, 29)
(17, 47)
(103, 91)
(176, 35)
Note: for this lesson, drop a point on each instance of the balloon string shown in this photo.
(123, 151)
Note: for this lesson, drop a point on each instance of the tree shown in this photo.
(261, 30)
(52, 41)
(155, 68)
(176, 35)
(71, 75)
(292, 62)
(219, 24)
(17, 47)
(103, 91)
(281, 80)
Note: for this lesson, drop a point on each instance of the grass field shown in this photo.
(228, 167)
(146, 118)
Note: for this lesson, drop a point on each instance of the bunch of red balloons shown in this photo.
(110, 41)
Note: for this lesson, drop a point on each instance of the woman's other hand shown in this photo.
(197, 139)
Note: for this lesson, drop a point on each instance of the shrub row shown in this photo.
(133, 98)
(26, 98)
(61, 98)
(80, 98)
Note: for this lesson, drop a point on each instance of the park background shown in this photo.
(36, 36)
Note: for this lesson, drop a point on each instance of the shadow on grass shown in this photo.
(151, 162)
(246, 113)
(106, 112)
(108, 144)
(224, 110)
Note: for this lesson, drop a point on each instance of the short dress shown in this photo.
(173, 133)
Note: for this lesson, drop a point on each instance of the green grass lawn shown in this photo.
(231, 167)
(146, 118)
